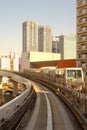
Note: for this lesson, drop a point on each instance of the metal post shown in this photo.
(86, 106)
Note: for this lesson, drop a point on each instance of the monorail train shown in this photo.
(69, 77)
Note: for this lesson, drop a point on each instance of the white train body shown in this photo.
(69, 77)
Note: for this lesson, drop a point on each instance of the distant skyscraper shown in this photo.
(44, 39)
(30, 36)
(55, 44)
(81, 9)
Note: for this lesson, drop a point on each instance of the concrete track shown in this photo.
(50, 113)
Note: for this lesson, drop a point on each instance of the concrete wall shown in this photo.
(32, 56)
(42, 56)
(24, 62)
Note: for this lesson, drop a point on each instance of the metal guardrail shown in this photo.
(13, 122)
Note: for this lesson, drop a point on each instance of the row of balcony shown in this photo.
(82, 38)
(83, 65)
(82, 47)
(81, 30)
(81, 12)
(81, 3)
(82, 20)
(82, 56)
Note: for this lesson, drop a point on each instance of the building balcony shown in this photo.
(82, 48)
(82, 31)
(82, 38)
(82, 56)
(81, 13)
(79, 4)
(81, 22)
(82, 65)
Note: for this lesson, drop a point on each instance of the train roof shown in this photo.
(75, 68)
(72, 68)
(47, 68)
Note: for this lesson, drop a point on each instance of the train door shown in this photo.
(52, 75)
(60, 76)
(70, 77)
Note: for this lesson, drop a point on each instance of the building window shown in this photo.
(84, 11)
(84, 1)
(83, 38)
(84, 19)
(84, 29)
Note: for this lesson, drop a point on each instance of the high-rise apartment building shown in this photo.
(44, 39)
(30, 36)
(81, 8)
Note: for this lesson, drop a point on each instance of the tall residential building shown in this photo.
(81, 8)
(67, 47)
(44, 39)
(30, 36)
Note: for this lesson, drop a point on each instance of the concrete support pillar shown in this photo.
(1, 98)
(15, 88)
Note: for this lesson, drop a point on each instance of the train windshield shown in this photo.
(74, 74)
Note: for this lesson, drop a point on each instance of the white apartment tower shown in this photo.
(30, 36)
(44, 39)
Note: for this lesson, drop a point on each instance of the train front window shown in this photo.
(79, 74)
(71, 74)
(74, 74)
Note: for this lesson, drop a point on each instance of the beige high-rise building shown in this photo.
(67, 47)
(81, 8)
(30, 36)
(44, 39)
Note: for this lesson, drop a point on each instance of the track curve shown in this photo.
(50, 113)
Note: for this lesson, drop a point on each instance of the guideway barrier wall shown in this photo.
(12, 112)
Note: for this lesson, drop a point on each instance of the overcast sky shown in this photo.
(59, 14)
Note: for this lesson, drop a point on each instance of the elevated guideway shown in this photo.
(49, 112)
(12, 112)
(75, 101)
